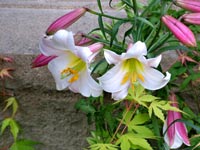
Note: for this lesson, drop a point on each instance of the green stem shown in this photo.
(135, 7)
(105, 15)
(116, 48)
(134, 111)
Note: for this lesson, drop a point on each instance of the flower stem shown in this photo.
(116, 131)
(136, 107)
(105, 15)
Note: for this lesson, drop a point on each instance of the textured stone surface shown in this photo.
(45, 114)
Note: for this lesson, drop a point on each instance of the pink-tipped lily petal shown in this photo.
(129, 68)
(70, 68)
(176, 133)
(192, 5)
(42, 60)
(65, 21)
(180, 31)
(192, 18)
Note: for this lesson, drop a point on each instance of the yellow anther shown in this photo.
(141, 77)
(133, 78)
(74, 78)
(125, 78)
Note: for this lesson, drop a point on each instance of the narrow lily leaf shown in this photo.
(171, 47)
(145, 21)
(99, 5)
(192, 77)
(127, 3)
(127, 33)
(115, 30)
(159, 42)
(101, 25)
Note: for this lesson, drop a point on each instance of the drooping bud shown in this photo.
(176, 131)
(180, 31)
(95, 47)
(192, 5)
(65, 21)
(41, 60)
(193, 18)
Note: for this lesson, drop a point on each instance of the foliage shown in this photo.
(10, 122)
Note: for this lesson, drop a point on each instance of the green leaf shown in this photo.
(85, 106)
(145, 21)
(140, 119)
(99, 5)
(101, 25)
(132, 140)
(157, 111)
(14, 128)
(115, 30)
(11, 102)
(171, 47)
(5, 124)
(24, 145)
(103, 146)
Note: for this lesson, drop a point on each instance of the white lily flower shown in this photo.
(131, 67)
(70, 68)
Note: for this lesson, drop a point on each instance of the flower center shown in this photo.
(133, 68)
(73, 69)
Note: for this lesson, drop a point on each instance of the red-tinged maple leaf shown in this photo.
(6, 59)
(184, 58)
(5, 72)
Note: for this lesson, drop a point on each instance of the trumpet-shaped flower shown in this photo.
(131, 67)
(70, 68)
(176, 133)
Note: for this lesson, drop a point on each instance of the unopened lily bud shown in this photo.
(95, 47)
(193, 18)
(180, 31)
(41, 60)
(65, 21)
(192, 5)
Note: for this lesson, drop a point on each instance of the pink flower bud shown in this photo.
(180, 31)
(193, 18)
(176, 131)
(65, 21)
(95, 47)
(41, 60)
(192, 5)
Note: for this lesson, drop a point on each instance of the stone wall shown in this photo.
(45, 115)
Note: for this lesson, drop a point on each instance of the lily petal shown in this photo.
(121, 94)
(154, 62)
(154, 79)
(111, 57)
(55, 67)
(137, 50)
(56, 44)
(111, 81)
